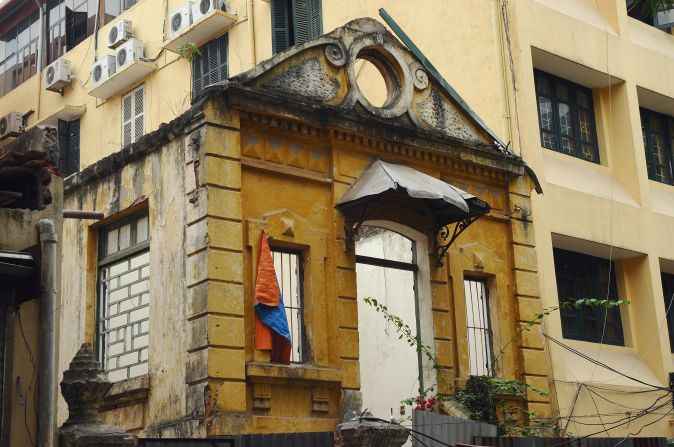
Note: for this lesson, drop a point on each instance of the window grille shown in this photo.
(289, 272)
(480, 355)
(566, 117)
(668, 294)
(210, 65)
(582, 276)
(124, 298)
(294, 22)
(657, 131)
(133, 116)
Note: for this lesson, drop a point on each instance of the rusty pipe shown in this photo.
(82, 214)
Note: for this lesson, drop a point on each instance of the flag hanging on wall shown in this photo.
(271, 324)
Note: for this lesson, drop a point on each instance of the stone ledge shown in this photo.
(276, 373)
(126, 392)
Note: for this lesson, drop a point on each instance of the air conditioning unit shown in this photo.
(181, 19)
(103, 69)
(57, 75)
(119, 33)
(202, 7)
(131, 51)
(11, 125)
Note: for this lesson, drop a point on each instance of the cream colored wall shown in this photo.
(612, 203)
(478, 77)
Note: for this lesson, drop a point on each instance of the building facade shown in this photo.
(579, 89)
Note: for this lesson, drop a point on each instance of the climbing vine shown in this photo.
(479, 398)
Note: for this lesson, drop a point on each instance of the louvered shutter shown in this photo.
(133, 116)
(301, 21)
(316, 19)
(280, 25)
(69, 146)
(73, 159)
(210, 65)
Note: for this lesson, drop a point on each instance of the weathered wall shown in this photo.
(262, 172)
(154, 182)
(18, 232)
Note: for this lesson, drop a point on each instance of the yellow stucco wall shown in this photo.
(614, 204)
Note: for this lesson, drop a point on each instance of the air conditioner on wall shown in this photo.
(119, 33)
(103, 69)
(201, 8)
(11, 125)
(181, 19)
(131, 51)
(57, 75)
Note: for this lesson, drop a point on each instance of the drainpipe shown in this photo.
(46, 385)
(251, 31)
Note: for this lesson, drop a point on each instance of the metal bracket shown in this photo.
(442, 232)
(353, 223)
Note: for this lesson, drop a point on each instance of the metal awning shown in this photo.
(442, 203)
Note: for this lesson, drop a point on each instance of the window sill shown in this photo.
(275, 373)
(127, 392)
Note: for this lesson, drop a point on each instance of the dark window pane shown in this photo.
(583, 100)
(565, 120)
(545, 113)
(562, 92)
(656, 131)
(548, 140)
(581, 276)
(565, 113)
(585, 125)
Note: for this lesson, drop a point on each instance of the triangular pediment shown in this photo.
(323, 71)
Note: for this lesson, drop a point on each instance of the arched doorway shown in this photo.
(392, 267)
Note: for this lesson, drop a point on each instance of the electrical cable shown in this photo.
(32, 379)
(597, 409)
(601, 431)
(598, 363)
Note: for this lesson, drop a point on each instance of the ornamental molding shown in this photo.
(323, 72)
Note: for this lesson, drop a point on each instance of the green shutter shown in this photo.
(301, 21)
(280, 25)
(69, 146)
(210, 65)
(316, 22)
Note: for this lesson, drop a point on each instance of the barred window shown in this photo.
(566, 117)
(581, 276)
(657, 131)
(124, 298)
(210, 64)
(480, 353)
(289, 272)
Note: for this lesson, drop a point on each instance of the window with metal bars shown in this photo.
(209, 65)
(581, 276)
(480, 350)
(290, 275)
(657, 131)
(124, 298)
(294, 22)
(668, 294)
(566, 117)
(133, 116)
(69, 146)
